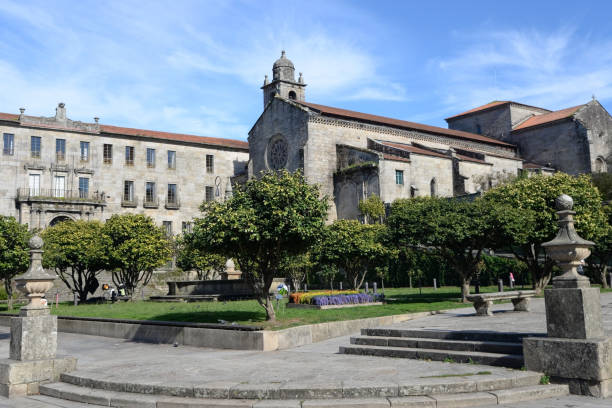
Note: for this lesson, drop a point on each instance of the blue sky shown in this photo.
(196, 66)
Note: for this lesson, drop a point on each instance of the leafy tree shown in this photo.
(601, 254)
(372, 208)
(296, 268)
(78, 251)
(354, 248)
(190, 257)
(276, 215)
(456, 230)
(603, 182)
(138, 246)
(534, 198)
(14, 253)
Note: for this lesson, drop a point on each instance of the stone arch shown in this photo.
(60, 218)
(292, 95)
(600, 165)
(433, 187)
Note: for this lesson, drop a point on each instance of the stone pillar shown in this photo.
(230, 272)
(32, 358)
(576, 350)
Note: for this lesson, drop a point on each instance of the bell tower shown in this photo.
(283, 82)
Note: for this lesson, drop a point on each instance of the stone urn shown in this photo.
(568, 249)
(36, 281)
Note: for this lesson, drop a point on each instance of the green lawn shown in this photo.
(248, 312)
(403, 300)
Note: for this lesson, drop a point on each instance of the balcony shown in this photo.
(60, 195)
(172, 203)
(150, 202)
(59, 156)
(129, 162)
(127, 201)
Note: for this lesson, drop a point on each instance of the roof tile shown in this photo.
(480, 108)
(547, 118)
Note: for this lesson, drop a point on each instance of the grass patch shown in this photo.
(248, 312)
(458, 375)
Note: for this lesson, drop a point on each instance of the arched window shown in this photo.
(292, 95)
(432, 187)
(600, 165)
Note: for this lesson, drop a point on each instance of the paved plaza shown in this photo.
(313, 365)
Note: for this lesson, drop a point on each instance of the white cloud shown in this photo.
(549, 69)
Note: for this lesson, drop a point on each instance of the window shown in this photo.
(129, 155)
(34, 184)
(209, 193)
(128, 191)
(108, 153)
(84, 151)
(172, 197)
(167, 225)
(35, 146)
(210, 163)
(83, 187)
(433, 187)
(171, 159)
(9, 144)
(186, 227)
(150, 157)
(292, 95)
(59, 186)
(399, 177)
(60, 149)
(150, 192)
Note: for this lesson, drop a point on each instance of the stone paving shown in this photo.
(310, 365)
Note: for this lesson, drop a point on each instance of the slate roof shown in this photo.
(382, 120)
(547, 118)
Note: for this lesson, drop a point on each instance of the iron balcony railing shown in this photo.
(129, 201)
(150, 202)
(172, 203)
(59, 194)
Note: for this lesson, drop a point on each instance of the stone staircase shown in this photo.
(477, 347)
(452, 391)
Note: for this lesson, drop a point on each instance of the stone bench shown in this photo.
(484, 301)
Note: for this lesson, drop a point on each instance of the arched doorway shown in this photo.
(58, 219)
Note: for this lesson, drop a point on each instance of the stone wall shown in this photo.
(597, 124)
(190, 175)
(493, 123)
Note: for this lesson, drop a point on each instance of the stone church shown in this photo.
(352, 155)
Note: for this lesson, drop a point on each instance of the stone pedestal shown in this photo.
(33, 336)
(576, 350)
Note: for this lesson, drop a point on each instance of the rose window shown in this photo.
(277, 154)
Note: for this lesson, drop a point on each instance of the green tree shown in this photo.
(138, 246)
(14, 253)
(78, 251)
(276, 215)
(190, 257)
(534, 198)
(354, 248)
(601, 254)
(458, 231)
(296, 268)
(603, 182)
(373, 209)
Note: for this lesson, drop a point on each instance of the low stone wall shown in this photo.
(219, 336)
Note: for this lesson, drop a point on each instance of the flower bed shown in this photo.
(335, 298)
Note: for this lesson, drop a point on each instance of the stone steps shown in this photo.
(414, 342)
(472, 346)
(493, 359)
(106, 398)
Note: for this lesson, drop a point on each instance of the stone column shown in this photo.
(576, 350)
(32, 358)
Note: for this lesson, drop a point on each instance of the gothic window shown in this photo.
(277, 153)
(292, 95)
(432, 187)
(600, 165)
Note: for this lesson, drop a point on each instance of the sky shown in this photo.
(197, 66)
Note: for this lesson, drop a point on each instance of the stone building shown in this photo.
(352, 155)
(55, 169)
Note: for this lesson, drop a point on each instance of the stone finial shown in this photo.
(283, 54)
(301, 79)
(568, 249)
(60, 112)
(97, 119)
(230, 267)
(36, 281)
(266, 82)
(564, 203)
(21, 111)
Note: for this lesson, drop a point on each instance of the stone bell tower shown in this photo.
(283, 82)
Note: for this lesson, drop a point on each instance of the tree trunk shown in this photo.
(9, 293)
(604, 272)
(465, 289)
(270, 313)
